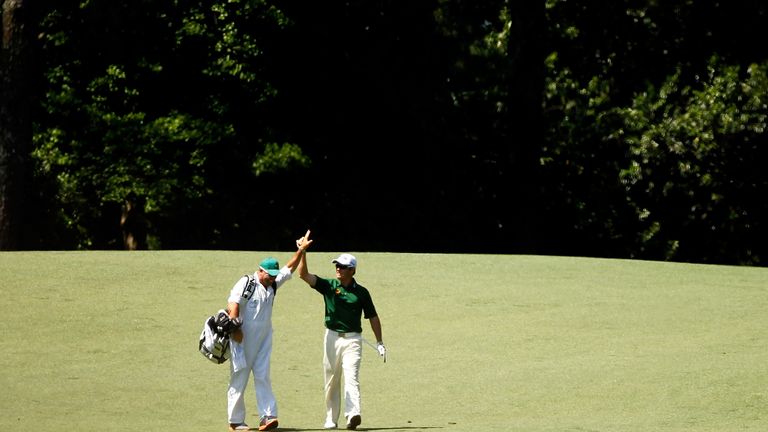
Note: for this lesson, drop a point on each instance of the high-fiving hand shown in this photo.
(304, 242)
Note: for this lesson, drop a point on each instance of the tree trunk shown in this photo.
(526, 86)
(134, 223)
(15, 125)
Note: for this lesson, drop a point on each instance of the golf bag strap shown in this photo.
(250, 287)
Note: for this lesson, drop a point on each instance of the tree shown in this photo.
(493, 98)
(15, 129)
(448, 125)
(696, 177)
(652, 148)
(153, 113)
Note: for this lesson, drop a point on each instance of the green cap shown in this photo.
(270, 266)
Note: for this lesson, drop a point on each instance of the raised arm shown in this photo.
(304, 273)
(301, 247)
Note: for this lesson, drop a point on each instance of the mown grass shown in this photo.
(99, 341)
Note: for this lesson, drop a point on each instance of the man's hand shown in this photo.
(304, 242)
(382, 350)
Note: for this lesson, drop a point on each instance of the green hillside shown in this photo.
(107, 341)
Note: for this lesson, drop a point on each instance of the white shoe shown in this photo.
(329, 425)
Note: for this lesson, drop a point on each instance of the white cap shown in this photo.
(346, 259)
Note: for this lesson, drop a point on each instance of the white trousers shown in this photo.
(342, 357)
(257, 346)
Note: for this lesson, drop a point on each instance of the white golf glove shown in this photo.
(382, 350)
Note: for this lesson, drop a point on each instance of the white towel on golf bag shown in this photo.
(238, 356)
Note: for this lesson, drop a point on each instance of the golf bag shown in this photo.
(214, 339)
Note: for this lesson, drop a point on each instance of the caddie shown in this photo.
(251, 299)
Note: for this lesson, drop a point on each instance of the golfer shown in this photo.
(345, 302)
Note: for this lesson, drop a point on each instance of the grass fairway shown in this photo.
(107, 341)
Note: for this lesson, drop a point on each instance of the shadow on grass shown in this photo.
(365, 428)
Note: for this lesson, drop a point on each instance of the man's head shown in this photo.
(346, 265)
(268, 270)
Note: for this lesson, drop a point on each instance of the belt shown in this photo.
(345, 334)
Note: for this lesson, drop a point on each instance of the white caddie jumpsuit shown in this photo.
(256, 313)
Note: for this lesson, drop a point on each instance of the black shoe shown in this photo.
(267, 423)
(354, 422)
